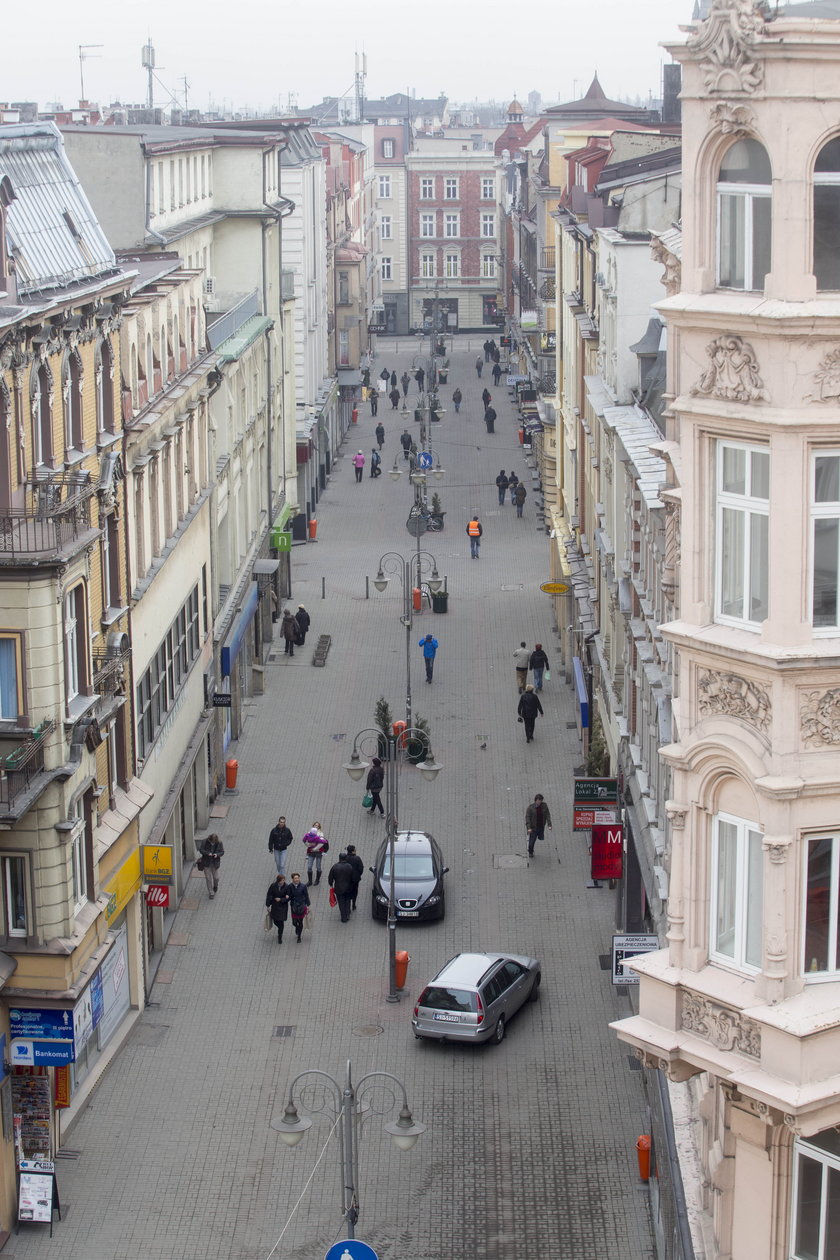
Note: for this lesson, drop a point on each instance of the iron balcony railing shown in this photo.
(57, 511)
(110, 671)
(547, 259)
(20, 767)
(229, 323)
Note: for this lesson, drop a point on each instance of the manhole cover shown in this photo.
(367, 1030)
(509, 861)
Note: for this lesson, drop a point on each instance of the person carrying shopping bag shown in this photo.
(316, 847)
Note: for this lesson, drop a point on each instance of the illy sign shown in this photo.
(158, 895)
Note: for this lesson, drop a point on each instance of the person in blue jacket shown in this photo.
(430, 646)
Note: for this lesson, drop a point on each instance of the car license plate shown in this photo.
(409, 914)
(450, 1019)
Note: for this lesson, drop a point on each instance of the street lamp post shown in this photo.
(356, 768)
(408, 571)
(347, 1115)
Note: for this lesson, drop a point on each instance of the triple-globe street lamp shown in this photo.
(411, 573)
(394, 746)
(348, 1108)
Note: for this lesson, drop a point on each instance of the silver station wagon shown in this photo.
(474, 995)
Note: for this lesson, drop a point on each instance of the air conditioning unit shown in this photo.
(210, 285)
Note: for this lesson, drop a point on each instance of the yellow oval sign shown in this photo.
(555, 588)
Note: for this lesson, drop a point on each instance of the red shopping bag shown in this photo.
(333, 898)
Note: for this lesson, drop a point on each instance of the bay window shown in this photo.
(821, 944)
(827, 216)
(736, 893)
(744, 216)
(825, 540)
(816, 1197)
(742, 540)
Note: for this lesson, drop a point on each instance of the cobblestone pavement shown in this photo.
(529, 1150)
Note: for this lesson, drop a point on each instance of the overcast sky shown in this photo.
(263, 53)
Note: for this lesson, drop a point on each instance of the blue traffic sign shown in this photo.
(425, 459)
(351, 1249)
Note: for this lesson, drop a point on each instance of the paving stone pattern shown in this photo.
(529, 1152)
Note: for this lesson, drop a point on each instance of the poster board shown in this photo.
(37, 1197)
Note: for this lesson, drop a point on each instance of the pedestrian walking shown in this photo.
(519, 498)
(395, 399)
(340, 878)
(486, 397)
(277, 904)
(430, 646)
(528, 708)
(373, 395)
(497, 372)
(405, 381)
(501, 486)
(457, 398)
(299, 904)
(513, 482)
(496, 355)
(479, 364)
(289, 630)
(380, 435)
(393, 380)
(486, 349)
(521, 660)
(359, 465)
(279, 839)
(358, 868)
(405, 442)
(490, 420)
(475, 531)
(316, 846)
(212, 851)
(539, 664)
(537, 818)
(420, 377)
(366, 378)
(373, 785)
(375, 462)
(304, 621)
(385, 376)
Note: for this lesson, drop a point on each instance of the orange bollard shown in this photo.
(313, 528)
(399, 733)
(402, 961)
(416, 598)
(521, 437)
(231, 771)
(354, 416)
(643, 1156)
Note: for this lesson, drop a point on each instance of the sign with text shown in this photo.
(158, 896)
(593, 791)
(607, 852)
(222, 700)
(39, 1021)
(585, 819)
(61, 1091)
(627, 946)
(157, 863)
(35, 1197)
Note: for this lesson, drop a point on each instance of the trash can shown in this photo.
(402, 959)
(643, 1155)
(313, 528)
(443, 376)
(440, 600)
(231, 771)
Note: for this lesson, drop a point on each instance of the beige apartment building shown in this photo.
(743, 1001)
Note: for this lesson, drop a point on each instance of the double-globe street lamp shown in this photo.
(348, 1108)
(393, 746)
(410, 573)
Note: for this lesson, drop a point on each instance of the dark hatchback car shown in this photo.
(418, 877)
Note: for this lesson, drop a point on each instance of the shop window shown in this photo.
(737, 892)
(744, 216)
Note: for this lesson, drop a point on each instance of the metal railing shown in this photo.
(109, 671)
(57, 511)
(547, 259)
(20, 767)
(229, 323)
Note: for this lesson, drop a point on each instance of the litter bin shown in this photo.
(643, 1155)
(313, 528)
(443, 376)
(231, 771)
(402, 960)
(440, 600)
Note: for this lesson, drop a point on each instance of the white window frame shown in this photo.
(71, 646)
(488, 266)
(452, 225)
(804, 1149)
(488, 224)
(21, 862)
(384, 186)
(14, 655)
(427, 226)
(78, 861)
(487, 182)
(389, 147)
(752, 508)
(833, 907)
(746, 900)
(385, 224)
(452, 266)
(451, 186)
(825, 510)
(428, 269)
(385, 268)
(427, 187)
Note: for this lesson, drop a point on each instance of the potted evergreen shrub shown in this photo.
(436, 510)
(383, 718)
(420, 743)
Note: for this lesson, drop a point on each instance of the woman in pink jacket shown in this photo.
(359, 464)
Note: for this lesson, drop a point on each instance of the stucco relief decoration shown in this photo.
(732, 120)
(827, 377)
(671, 278)
(726, 44)
(672, 551)
(819, 714)
(724, 1028)
(733, 696)
(733, 372)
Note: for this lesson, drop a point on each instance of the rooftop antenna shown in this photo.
(147, 60)
(361, 75)
(186, 97)
(83, 56)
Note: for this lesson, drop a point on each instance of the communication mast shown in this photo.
(147, 59)
(361, 75)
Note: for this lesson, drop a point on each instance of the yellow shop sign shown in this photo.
(157, 863)
(122, 886)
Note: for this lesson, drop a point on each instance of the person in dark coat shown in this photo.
(375, 462)
(380, 435)
(486, 397)
(366, 378)
(502, 485)
(537, 818)
(289, 630)
(358, 867)
(277, 904)
(373, 784)
(395, 398)
(479, 364)
(298, 904)
(373, 395)
(212, 851)
(420, 378)
(486, 349)
(497, 372)
(341, 879)
(513, 482)
(405, 442)
(456, 398)
(279, 839)
(303, 620)
(385, 376)
(529, 707)
(405, 381)
(490, 419)
(520, 497)
(538, 664)
(393, 380)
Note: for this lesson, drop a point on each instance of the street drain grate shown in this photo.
(571, 726)
(604, 962)
(283, 1030)
(67, 1152)
(368, 1030)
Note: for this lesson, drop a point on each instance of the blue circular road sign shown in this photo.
(351, 1249)
(424, 459)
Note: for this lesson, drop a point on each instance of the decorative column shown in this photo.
(771, 986)
(676, 902)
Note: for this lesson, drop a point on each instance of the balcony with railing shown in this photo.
(55, 521)
(19, 769)
(547, 259)
(110, 676)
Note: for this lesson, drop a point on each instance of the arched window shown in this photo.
(827, 216)
(104, 387)
(744, 216)
(71, 389)
(41, 406)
